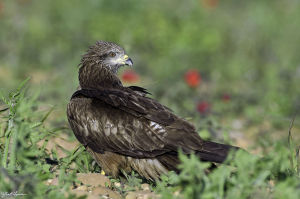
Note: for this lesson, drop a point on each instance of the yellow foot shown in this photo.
(102, 172)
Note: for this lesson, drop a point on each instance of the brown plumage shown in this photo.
(125, 130)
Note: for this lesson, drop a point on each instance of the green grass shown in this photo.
(245, 49)
(248, 176)
(26, 166)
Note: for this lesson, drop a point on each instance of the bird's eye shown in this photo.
(112, 54)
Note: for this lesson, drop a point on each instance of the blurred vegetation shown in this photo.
(26, 164)
(249, 177)
(245, 48)
(245, 51)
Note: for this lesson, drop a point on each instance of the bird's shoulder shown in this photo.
(128, 100)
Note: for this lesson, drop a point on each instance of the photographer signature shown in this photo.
(11, 194)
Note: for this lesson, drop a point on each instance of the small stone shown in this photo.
(103, 191)
(147, 195)
(82, 188)
(93, 179)
(145, 187)
(141, 195)
(176, 193)
(53, 181)
(79, 193)
(49, 181)
(131, 195)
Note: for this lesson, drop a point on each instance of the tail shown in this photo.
(215, 152)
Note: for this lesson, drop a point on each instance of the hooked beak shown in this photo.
(128, 61)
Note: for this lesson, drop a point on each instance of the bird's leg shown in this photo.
(102, 172)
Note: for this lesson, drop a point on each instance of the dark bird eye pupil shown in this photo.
(112, 54)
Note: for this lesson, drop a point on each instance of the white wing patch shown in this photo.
(114, 130)
(156, 127)
(110, 128)
(107, 128)
(94, 125)
(85, 130)
(83, 126)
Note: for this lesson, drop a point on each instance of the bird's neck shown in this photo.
(93, 76)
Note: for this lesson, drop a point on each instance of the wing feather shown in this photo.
(134, 125)
(137, 105)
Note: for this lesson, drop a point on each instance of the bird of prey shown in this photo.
(122, 128)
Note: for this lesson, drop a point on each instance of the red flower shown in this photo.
(1, 7)
(210, 3)
(192, 78)
(130, 76)
(226, 97)
(203, 107)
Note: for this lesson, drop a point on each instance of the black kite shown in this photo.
(124, 129)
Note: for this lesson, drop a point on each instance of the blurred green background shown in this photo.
(230, 67)
(245, 50)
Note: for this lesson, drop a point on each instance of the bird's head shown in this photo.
(108, 55)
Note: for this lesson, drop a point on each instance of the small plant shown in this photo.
(25, 164)
(245, 176)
